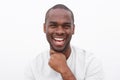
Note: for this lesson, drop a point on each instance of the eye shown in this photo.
(66, 26)
(53, 25)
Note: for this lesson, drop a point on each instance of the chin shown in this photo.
(62, 49)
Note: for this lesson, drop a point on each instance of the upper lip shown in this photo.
(59, 39)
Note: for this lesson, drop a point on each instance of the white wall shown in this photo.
(22, 38)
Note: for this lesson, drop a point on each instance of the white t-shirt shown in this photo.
(83, 65)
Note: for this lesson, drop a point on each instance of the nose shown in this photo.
(60, 30)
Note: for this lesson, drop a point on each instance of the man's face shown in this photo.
(59, 28)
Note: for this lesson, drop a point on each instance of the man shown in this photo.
(62, 61)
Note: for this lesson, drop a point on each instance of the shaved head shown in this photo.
(59, 6)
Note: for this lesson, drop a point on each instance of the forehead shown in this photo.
(59, 14)
(60, 11)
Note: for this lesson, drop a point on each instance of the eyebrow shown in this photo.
(52, 22)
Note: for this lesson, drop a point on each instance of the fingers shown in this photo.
(52, 52)
(56, 54)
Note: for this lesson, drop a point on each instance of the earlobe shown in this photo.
(73, 29)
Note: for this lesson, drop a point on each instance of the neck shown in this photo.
(67, 52)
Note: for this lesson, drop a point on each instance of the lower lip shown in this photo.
(58, 43)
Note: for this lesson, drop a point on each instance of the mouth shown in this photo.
(58, 41)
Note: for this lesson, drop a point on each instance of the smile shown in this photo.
(59, 41)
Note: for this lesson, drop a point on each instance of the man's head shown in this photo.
(59, 6)
(59, 27)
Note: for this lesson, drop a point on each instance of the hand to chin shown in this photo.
(57, 61)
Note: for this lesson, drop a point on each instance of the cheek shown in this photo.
(49, 31)
(70, 32)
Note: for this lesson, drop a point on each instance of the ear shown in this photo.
(44, 28)
(73, 30)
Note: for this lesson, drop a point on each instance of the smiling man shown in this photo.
(59, 28)
(62, 61)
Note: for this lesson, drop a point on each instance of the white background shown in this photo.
(22, 38)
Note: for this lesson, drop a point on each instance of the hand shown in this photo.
(57, 61)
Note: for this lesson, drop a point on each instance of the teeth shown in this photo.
(59, 39)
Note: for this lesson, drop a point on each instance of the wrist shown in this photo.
(64, 70)
(67, 74)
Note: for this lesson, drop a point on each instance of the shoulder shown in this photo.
(82, 52)
(35, 66)
(87, 56)
(92, 65)
(41, 57)
(38, 61)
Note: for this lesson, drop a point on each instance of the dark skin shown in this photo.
(59, 28)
